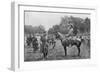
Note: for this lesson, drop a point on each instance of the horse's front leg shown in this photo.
(78, 51)
(54, 44)
(65, 50)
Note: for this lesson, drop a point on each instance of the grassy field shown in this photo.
(57, 53)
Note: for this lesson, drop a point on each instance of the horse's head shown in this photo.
(58, 35)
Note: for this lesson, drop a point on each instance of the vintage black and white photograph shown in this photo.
(52, 35)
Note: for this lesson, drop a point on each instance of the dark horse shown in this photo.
(29, 40)
(32, 42)
(66, 42)
(35, 44)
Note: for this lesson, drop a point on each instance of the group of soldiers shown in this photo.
(40, 44)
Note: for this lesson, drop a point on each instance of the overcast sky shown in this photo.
(47, 19)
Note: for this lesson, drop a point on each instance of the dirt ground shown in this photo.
(57, 53)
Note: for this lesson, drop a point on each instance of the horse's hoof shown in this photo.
(65, 55)
(79, 56)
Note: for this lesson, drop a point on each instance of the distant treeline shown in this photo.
(79, 25)
(29, 29)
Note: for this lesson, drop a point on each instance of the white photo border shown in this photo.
(18, 55)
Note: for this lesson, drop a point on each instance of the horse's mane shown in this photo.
(62, 37)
